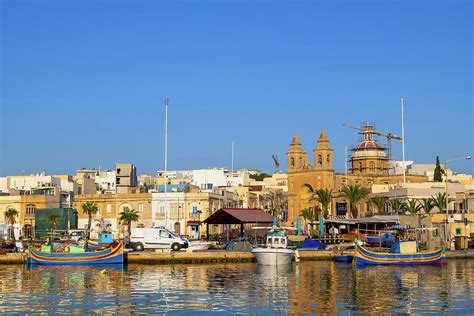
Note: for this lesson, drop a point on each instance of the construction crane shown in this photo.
(370, 130)
(277, 163)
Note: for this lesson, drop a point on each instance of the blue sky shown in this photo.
(83, 83)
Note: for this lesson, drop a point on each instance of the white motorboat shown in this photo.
(200, 245)
(275, 252)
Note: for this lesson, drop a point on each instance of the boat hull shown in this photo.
(367, 257)
(344, 258)
(200, 245)
(112, 255)
(273, 256)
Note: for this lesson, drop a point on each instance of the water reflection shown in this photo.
(308, 287)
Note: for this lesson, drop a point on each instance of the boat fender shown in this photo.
(66, 249)
(297, 256)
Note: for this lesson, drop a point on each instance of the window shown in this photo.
(300, 162)
(164, 234)
(372, 167)
(195, 209)
(360, 166)
(30, 210)
(458, 231)
(292, 162)
(140, 207)
(320, 160)
(109, 208)
(328, 158)
(118, 180)
(118, 170)
(162, 208)
(209, 186)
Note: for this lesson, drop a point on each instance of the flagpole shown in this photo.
(403, 144)
(166, 102)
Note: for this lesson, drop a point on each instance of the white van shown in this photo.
(156, 238)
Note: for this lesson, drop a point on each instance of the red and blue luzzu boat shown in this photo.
(112, 254)
(400, 257)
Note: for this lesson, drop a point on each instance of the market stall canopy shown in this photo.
(239, 216)
(378, 219)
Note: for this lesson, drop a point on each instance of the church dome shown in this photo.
(369, 147)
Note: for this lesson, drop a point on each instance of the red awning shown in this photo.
(194, 223)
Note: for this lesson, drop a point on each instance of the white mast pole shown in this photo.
(403, 144)
(232, 165)
(166, 160)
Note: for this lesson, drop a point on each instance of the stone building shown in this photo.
(368, 166)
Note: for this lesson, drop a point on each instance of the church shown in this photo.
(369, 164)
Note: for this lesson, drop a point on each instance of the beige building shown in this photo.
(110, 206)
(182, 209)
(26, 203)
(126, 177)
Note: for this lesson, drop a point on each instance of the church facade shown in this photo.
(369, 165)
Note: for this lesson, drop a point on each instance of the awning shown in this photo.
(194, 223)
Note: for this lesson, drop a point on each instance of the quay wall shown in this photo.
(182, 257)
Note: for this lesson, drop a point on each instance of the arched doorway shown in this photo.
(177, 228)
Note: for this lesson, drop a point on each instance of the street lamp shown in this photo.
(447, 194)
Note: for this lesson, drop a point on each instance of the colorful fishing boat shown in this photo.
(402, 253)
(112, 254)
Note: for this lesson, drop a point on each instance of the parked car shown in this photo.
(156, 238)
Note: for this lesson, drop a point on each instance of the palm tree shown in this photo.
(354, 193)
(308, 214)
(127, 216)
(379, 202)
(53, 219)
(413, 207)
(10, 215)
(397, 205)
(440, 201)
(89, 208)
(324, 197)
(427, 205)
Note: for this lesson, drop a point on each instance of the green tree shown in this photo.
(354, 194)
(397, 205)
(89, 208)
(53, 219)
(309, 215)
(440, 201)
(324, 197)
(379, 202)
(427, 205)
(127, 216)
(10, 215)
(413, 207)
(260, 176)
(438, 172)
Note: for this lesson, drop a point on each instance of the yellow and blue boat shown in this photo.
(402, 253)
(110, 255)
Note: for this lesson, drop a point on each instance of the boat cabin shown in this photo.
(277, 240)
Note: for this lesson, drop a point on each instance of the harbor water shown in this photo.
(306, 287)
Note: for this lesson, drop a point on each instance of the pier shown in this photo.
(186, 257)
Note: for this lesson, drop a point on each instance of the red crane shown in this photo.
(277, 162)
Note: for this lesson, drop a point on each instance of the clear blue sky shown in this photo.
(83, 82)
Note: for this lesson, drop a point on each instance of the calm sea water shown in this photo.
(307, 287)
